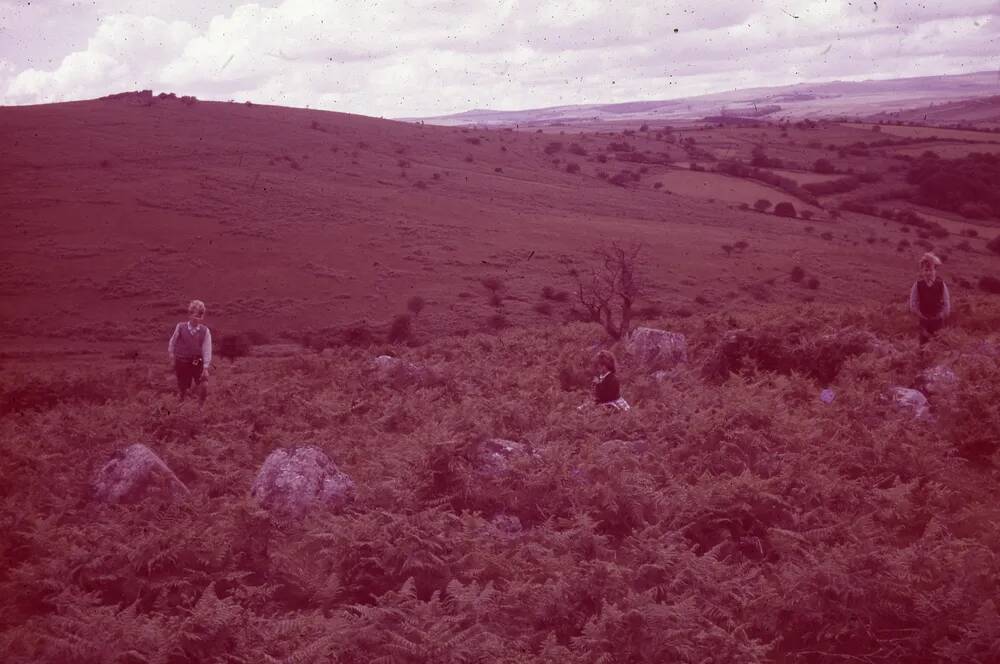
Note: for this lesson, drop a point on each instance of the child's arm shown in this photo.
(945, 302)
(173, 342)
(206, 349)
(914, 300)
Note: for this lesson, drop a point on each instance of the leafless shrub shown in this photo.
(610, 289)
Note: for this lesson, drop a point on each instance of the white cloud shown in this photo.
(125, 53)
(77, 75)
(438, 56)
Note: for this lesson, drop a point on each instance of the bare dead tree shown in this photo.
(611, 287)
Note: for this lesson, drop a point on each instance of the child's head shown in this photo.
(196, 310)
(928, 265)
(605, 361)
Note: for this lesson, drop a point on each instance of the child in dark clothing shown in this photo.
(929, 298)
(190, 351)
(607, 389)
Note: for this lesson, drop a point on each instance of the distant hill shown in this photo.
(801, 100)
(979, 113)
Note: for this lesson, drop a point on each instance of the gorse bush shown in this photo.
(838, 186)
(989, 284)
(234, 345)
(731, 520)
(824, 166)
(401, 328)
(416, 304)
(784, 209)
(553, 147)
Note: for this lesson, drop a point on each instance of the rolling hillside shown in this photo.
(290, 221)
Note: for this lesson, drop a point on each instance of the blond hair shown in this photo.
(196, 307)
(930, 259)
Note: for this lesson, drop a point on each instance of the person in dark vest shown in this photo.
(607, 388)
(190, 350)
(930, 301)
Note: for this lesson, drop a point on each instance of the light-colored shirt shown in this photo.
(206, 345)
(915, 299)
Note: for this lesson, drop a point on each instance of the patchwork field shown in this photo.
(909, 131)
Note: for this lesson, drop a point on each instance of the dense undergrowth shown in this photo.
(735, 519)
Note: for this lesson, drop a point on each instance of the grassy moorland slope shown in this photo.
(740, 520)
(116, 212)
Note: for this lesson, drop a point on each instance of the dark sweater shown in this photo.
(607, 389)
(930, 300)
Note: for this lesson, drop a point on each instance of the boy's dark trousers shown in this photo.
(928, 326)
(188, 372)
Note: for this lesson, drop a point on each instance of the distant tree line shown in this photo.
(968, 186)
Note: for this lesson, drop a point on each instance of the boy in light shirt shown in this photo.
(190, 351)
(930, 301)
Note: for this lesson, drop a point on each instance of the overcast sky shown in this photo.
(398, 58)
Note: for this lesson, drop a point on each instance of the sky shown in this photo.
(396, 58)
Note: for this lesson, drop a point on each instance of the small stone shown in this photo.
(507, 524)
(617, 446)
(400, 374)
(913, 400)
(495, 455)
(938, 380)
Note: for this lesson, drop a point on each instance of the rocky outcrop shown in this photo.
(653, 349)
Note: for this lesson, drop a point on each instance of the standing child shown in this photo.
(929, 298)
(190, 350)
